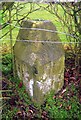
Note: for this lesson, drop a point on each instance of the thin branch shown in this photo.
(28, 14)
(78, 10)
(4, 25)
(6, 33)
(8, 5)
(5, 98)
(5, 90)
(65, 9)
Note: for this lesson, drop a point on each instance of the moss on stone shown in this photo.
(43, 62)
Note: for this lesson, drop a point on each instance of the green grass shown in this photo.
(39, 14)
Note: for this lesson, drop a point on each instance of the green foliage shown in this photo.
(7, 64)
(21, 90)
(60, 108)
(8, 113)
(10, 110)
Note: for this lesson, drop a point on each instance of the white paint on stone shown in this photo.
(31, 82)
(39, 84)
(45, 86)
(26, 76)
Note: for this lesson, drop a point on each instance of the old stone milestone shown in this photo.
(39, 62)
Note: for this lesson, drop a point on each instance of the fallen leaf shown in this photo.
(60, 105)
(66, 79)
(68, 107)
(60, 96)
(54, 97)
(64, 91)
(31, 111)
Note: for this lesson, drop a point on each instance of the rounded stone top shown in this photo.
(36, 20)
(33, 39)
(39, 20)
(38, 23)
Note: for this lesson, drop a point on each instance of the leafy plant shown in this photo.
(63, 107)
(7, 64)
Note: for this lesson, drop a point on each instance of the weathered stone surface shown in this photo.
(40, 65)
